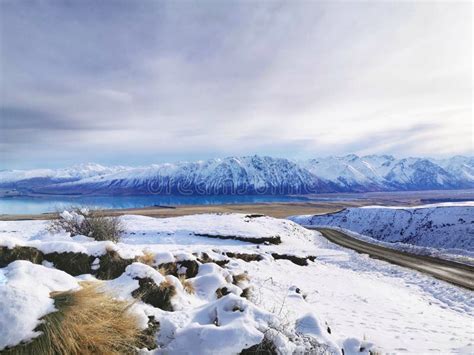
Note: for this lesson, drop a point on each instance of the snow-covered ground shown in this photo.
(361, 301)
(448, 227)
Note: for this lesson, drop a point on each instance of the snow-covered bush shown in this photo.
(90, 223)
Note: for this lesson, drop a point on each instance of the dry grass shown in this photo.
(221, 292)
(246, 293)
(88, 321)
(20, 253)
(188, 286)
(240, 278)
(168, 269)
(147, 258)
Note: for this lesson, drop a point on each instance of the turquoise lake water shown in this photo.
(30, 205)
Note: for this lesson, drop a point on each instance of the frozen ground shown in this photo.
(361, 301)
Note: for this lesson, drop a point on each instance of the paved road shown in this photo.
(450, 271)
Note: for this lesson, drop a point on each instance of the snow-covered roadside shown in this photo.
(458, 255)
(351, 295)
(441, 230)
(398, 309)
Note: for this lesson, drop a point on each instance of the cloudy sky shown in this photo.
(137, 82)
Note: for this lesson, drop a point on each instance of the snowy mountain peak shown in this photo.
(251, 175)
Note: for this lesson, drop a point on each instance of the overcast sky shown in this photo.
(137, 82)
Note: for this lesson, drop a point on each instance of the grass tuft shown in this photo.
(111, 265)
(148, 258)
(188, 286)
(88, 321)
(221, 292)
(246, 293)
(239, 278)
(168, 269)
(266, 347)
(156, 295)
(20, 253)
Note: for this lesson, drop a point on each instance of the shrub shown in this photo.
(91, 223)
(168, 269)
(266, 347)
(88, 321)
(111, 265)
(158, 296)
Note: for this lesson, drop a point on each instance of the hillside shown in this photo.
(228, 284)
(444, 226)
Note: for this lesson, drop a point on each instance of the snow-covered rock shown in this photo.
(25, 297)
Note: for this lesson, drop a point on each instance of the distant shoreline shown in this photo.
(274, 209)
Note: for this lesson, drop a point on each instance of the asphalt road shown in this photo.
(456, 273)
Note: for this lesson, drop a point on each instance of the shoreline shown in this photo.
(312, 204)
(273, 209)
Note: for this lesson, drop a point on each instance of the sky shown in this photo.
(139, 82)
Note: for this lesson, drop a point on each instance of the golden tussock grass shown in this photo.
(188, 286)
(147, 258)
(88, 321)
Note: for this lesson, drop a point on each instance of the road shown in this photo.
(449, 271)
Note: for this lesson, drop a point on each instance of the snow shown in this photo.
(24, 298)
(124, 285)
(341, 300)
(397, 309)
(210, 327)
(431, 205)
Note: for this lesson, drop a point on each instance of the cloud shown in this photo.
(156, 80)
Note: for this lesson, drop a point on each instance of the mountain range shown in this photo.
(249, 175)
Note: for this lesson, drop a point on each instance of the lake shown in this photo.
(36, 205)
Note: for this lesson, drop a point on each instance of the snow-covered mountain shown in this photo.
(384, 172)
(251, 175)
(444, 226)
(41, 177)
(246, 175)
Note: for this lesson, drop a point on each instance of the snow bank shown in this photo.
(225, 326)
(24, 299)
(217, 225)
(165, 235)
